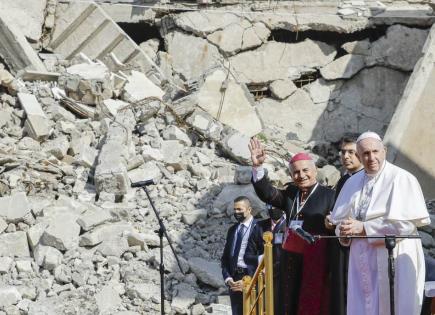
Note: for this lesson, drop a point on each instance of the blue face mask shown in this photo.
(239, 217)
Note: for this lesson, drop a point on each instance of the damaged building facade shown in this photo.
(96, 95)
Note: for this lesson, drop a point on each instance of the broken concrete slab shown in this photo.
(37, 123)
(57, 147)
(9, 295)
(205, 124)
(281, 89)
(410, 135)
(26, 16)
(115, 247)
(92, 218)
(14, 244)
(175, 133)
(239, 37)
(322, 91)
(112, 106)
(139, 87)
(203, 23)
(365, 102)
(62, 232)
(105, 232)
(190, 217)
(208, 272)
(87, 82)
(47, 257)
(229, 102)
(310, 18)
(184, 297)
(108, 299)
(275, 61)
(35, 232)
(361, 47)
(111, 171)
(5, 264)
(296, 117)
(192, 63)
(15, 51)
(343, 68)
(15, 207)
(236, 146)
(400, 48)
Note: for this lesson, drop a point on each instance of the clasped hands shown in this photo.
(235, 285)
(351, 227)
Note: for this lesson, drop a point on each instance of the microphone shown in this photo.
(303, 234)
(142, 183)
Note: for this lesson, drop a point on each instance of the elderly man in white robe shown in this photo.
(383, 199)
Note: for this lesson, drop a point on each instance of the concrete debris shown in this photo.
(14, 208)
(229, 102)
(14, 244)
(37, 124)
(343, 68)
(207, 272)
(87, 83)
(280, 61)
(15, 50)
(239, 37)
(191, 64)
(281, 89)
(139, 87)
(78, 125)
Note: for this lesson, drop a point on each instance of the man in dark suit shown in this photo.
(233, 262)
(275, 224)
(306, 202)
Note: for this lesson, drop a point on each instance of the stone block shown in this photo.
(112, 106)
(14, 244)
(190, 217)
(174, 133)
(93, 218)
(9, 296)
(14, 208)
(24, 266)
(136, 239)
(208, 272)
(139, 87)
(104, 232)
(115, 246)
(62, 232)
(205, 124)
(57, 147)
(5, 264)
(86, 82)
(184, 297)
(108, 299)
(344, 67)
(281, 89)
(229, 102)
(151, 154)
(236, 146)
(37, 124)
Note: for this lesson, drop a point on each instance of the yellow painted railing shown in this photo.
(258, 290)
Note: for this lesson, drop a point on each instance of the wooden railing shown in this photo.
(258, 290)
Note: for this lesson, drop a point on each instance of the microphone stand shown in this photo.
(390, 243)
(162, 231)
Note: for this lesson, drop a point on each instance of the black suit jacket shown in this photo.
(253, 251)
(255, 237)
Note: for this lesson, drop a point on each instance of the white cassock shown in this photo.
(389, 203)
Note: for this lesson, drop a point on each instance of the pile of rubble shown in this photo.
(75, 238)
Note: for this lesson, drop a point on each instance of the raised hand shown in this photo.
(258, 155)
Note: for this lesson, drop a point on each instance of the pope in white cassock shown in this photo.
(383, 199)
